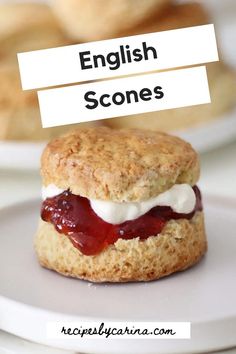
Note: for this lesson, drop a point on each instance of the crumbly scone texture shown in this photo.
(28, 26)
(118, 165)
(180, 245)
(101, 19)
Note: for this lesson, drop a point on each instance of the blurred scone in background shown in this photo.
(26, 26)
(96, 20)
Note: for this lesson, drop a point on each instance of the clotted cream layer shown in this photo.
(181, 198)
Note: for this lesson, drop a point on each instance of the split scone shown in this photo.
(120, 205)
(90, 20)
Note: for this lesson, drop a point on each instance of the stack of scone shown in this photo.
(88, 20)
(31, 26)
(120, 205)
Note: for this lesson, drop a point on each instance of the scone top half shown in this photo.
(118, 165)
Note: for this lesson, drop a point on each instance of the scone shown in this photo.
(19, 111)
(26, 27)
(89, 20)
(221, 78)
(120, 205)
(222, 84)
(173, 16)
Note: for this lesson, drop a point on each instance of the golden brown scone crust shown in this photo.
(222, 84)
(180, 245)
(221, 78)
(26, 27)
(90, 20)
(118, 165)
(173, 16)
(19, 111)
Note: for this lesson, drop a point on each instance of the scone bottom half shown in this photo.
(120, 205)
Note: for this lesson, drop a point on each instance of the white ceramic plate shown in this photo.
(212, 134)
(30, 296)
(10, 344)
(20, 155)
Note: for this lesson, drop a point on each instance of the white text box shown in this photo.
(175, 48)
(118, 330)
(124, 96)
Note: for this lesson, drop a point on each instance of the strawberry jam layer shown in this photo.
(73, 216)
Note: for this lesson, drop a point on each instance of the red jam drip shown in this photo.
(73, 216)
